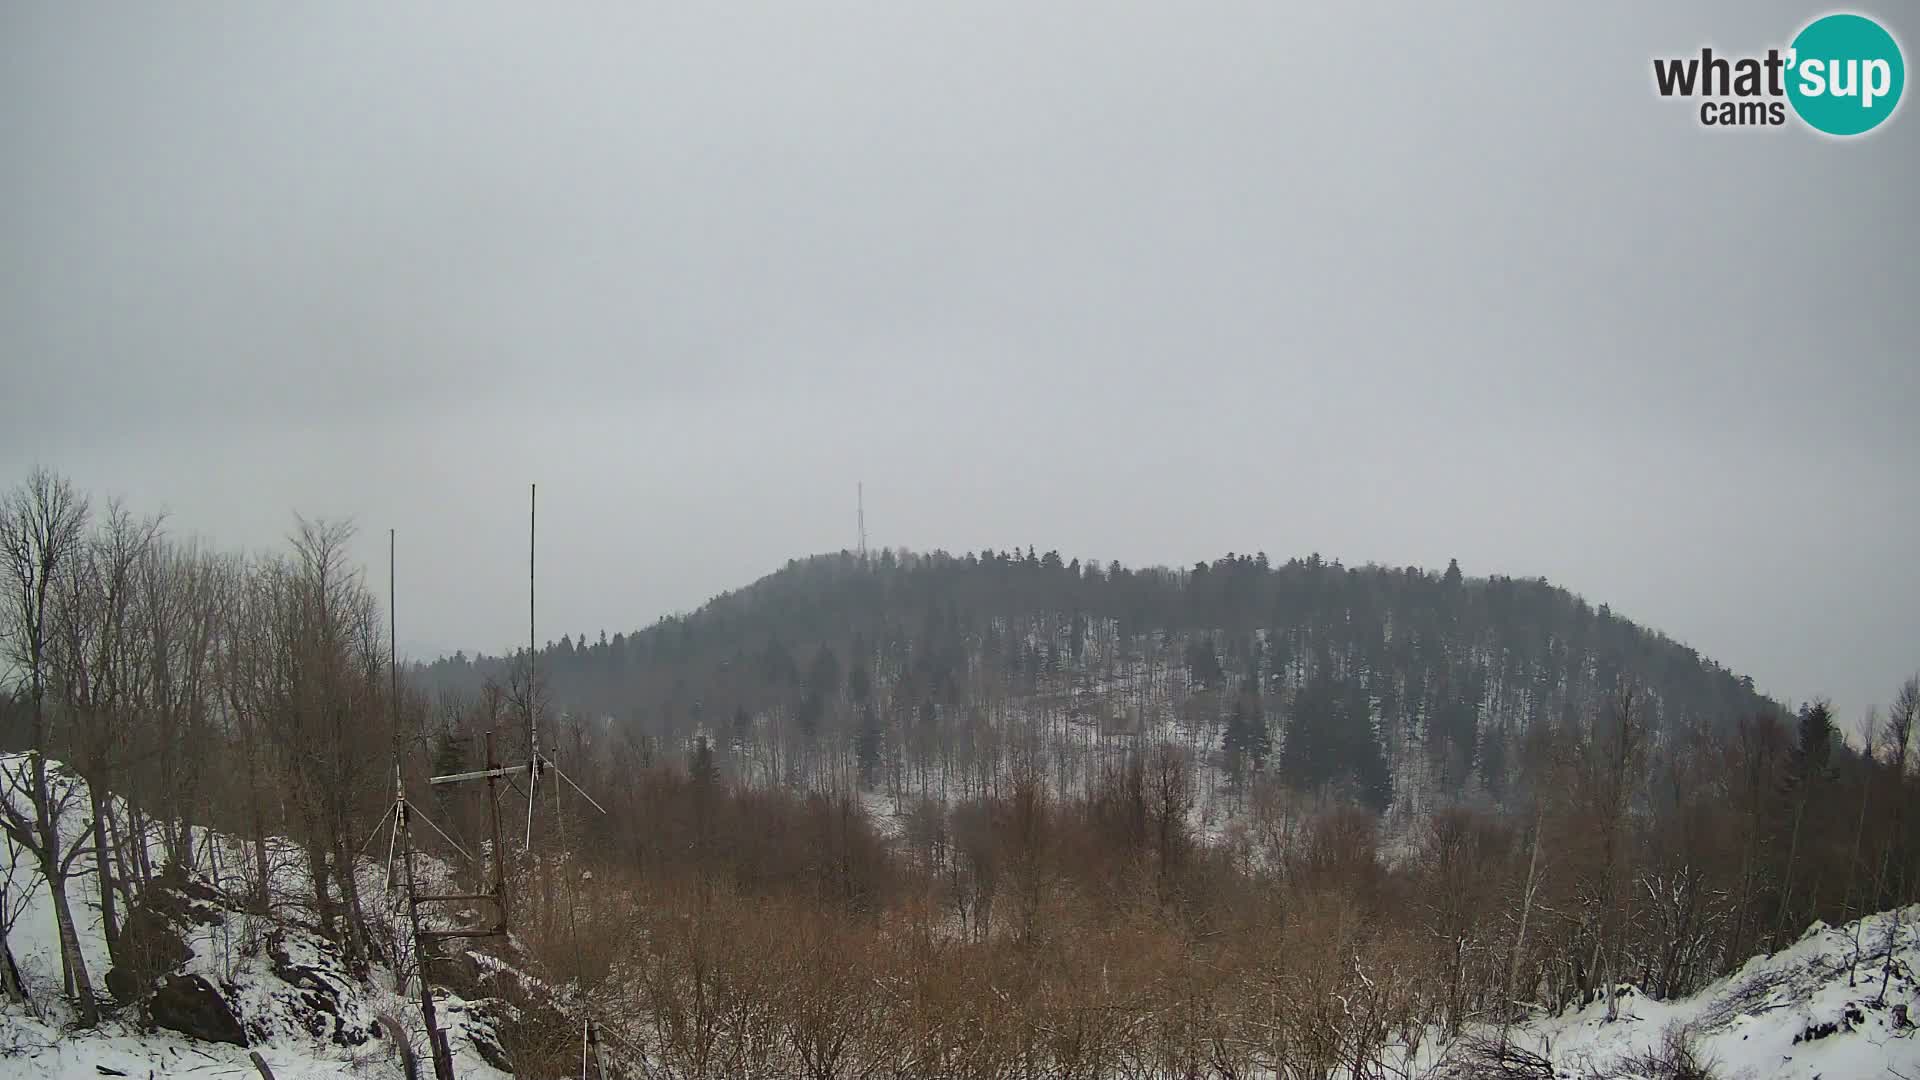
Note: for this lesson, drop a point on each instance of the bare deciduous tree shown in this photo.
(42, 524)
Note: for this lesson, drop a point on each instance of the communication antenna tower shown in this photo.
(400, 841)
(537, 765)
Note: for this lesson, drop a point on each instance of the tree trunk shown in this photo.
(1853, 862)
(122, 880)
(1886, 970)
(10, 985)
(317, 871)
(103, 867)
(1786, 885)
(1520, 938)
(357, 937)
(81, 986)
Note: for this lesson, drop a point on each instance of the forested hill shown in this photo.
(902, 666)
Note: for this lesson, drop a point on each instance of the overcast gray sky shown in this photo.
(1138, 282)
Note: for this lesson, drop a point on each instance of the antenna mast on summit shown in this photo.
(533, 724)
(860, 503)
(403, 814)
(538, 765)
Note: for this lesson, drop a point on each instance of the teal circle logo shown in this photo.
(1845, 74)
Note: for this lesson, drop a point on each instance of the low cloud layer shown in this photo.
(1135, 282)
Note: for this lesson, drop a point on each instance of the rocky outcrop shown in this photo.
(191, 1006)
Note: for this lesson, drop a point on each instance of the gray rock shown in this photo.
(191, 1006)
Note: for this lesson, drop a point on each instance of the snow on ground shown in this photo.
(286, 984)
(1790, 1015)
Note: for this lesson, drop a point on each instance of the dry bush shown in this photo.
(581, 928)
(700, 982)
(1487, 1057)
(955, 1007)
(1330, 989)
(1101, 993)
(828, 1012)
(534, 1036)
(1033, 935)
(1676, 1058)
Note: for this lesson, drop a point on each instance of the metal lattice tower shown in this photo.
(404, 813)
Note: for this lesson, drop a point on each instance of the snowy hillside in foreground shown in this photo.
(1789, 1015)
(285, 984)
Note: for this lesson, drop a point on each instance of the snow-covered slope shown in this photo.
(285, 985)
(1812, 1010)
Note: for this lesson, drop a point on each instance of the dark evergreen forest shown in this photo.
(1378, 679)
